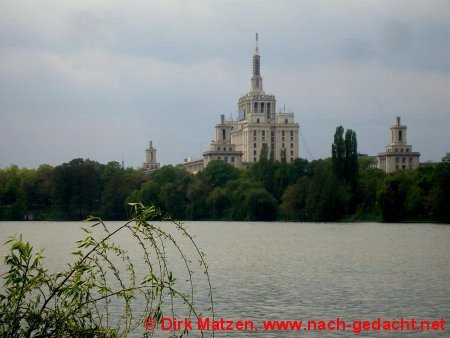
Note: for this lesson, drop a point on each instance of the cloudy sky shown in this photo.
(98, 79)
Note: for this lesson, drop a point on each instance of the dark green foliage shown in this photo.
(392, 197)
(263, 170)
(440, 197)
(218, 202)
(344, 156)
(97, 295)
(338, 153)
(260, 205)
(10, 201)
(294, 199)
(218, 173)
(343, 187)
(365, 195)
(329, 198)
(168, 189)
(351, 158)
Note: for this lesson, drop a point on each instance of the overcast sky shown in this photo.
(98, 79)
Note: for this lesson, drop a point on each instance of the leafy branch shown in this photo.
(85, 299)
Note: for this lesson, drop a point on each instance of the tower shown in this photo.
(257, 85)
(240, 142)
(398, 133)
(398, 155)
(150, 159)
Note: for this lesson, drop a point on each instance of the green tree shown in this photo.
(281, 176)
(218, 202)
(294, 199)
(441, 192)
(242, 207)
(328, 198)
(351, 158)
(259, 205)
(392, 196)
(76, 189)
(263, 170)
(217, 173)
(338, 154)
(365, 195)
(197, 195)
(12, 207)
(344, 156)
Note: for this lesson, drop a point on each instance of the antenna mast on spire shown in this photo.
(256, 49)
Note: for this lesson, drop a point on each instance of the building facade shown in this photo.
(239, 142)
(398, 155)
(150, 163)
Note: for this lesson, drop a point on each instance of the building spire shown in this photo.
(256, 79)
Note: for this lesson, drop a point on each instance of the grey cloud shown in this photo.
(143, 70)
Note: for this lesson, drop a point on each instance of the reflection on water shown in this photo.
(301, 271)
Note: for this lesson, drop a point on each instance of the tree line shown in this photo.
(344, 187)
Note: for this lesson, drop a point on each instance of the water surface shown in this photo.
(301, 271)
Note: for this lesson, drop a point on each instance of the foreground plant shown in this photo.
(84, 300)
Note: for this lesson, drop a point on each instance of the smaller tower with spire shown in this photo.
(398, 155)
(150, 159)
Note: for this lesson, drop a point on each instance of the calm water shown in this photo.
(263, 271)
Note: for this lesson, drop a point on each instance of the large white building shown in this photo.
(398, 155)
(239, 142)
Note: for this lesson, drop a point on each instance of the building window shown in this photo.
(396, 167)
(292, 145)
(255, 107)
(219, 158)
(232, 159)
(396, 150)
(254, 152)
(282, 145)
(397, 160)
(292, 135)
(226, 158)
(272, 136)
(268, 109)
(401, 149)
(407, 150)
(285, 121)
(218, 148)
(254, 159)
(257, 120)
(262, 107)
(292, 159)
(400, 135)
(230, 149)
(410, 160)
(403, 160)
(292, 153)
(263, 136)
(254, 135)
(223, 134)
(282, 135)
(254, 145)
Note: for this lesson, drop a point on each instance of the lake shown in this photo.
(301, 271)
